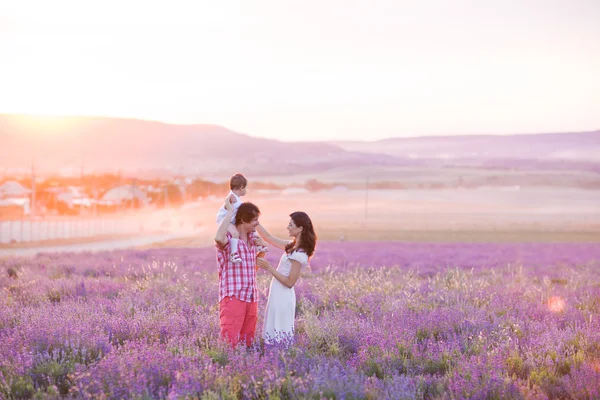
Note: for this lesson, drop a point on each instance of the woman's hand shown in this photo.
(264, 264)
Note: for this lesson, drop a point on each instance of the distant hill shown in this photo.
(102, 144)
(136, 145)
(576, 146)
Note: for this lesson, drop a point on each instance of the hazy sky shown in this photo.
(310, 69)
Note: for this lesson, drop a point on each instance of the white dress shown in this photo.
(281, 306)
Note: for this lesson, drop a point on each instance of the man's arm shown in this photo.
(221, 235)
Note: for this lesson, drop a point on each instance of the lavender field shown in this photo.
(374, 321)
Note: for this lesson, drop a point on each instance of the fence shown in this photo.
(38, 230)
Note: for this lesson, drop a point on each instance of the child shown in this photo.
(237, 184)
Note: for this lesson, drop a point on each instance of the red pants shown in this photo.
(238, 320)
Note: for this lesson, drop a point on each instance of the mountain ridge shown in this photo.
(129, 144)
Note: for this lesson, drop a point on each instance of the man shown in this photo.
(238, 296)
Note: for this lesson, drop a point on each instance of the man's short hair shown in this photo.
(238, 181)
(246, 213)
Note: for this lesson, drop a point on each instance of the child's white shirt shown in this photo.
(223, 211)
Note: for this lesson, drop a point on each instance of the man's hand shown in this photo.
(228, 205)
(231, 199)
(258, 241)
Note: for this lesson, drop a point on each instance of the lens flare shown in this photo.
(556, 304)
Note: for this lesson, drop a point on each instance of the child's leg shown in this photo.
(233, 230)
(235, 239)
(261, 246)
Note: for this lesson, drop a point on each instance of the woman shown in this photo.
(281, 306)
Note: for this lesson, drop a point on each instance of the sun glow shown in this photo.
(556, 304)
(305, 70)
(44, 124)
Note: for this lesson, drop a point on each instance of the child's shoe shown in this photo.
(235, 258)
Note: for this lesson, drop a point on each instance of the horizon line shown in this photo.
(425, 136)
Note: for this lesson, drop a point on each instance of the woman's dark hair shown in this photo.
(246, 213)
(308, 237)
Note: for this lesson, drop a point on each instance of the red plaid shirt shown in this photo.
(238, 280)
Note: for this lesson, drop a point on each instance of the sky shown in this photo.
(311, 69)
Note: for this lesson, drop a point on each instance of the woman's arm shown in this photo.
(279, 243)
(287, 281)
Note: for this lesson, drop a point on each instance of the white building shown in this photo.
(13, 194)
(124, 194)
